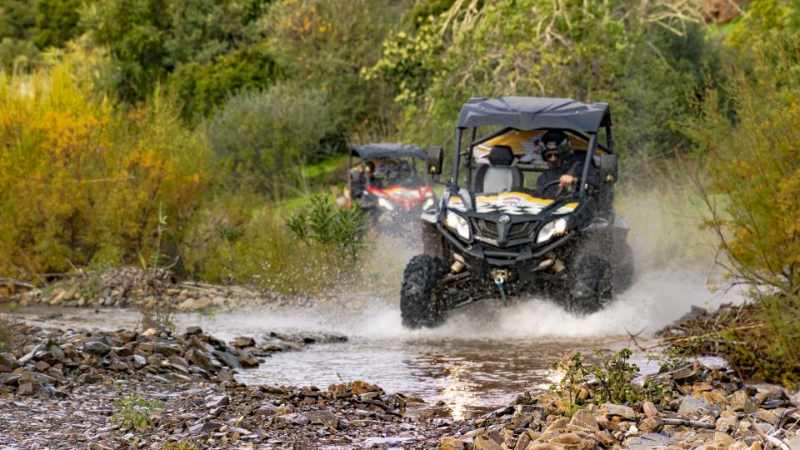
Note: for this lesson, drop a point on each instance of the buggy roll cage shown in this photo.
(532, 113)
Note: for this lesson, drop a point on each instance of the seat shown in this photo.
(499, 175)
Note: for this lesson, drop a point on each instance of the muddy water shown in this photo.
(481, 358)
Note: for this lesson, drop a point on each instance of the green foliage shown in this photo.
(325, 224)
(263, 138)
(235, 241)
(135, 413)
(325, 44)
(149, 39)
(646, 59)
(615, 378)
(758, 221)
(569, 388)
(205, 87)
(79, 180)
(608, 381)
(57, 21)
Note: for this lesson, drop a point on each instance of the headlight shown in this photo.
(555, 228)
(385, 204)
(459, 224)
(428, 204)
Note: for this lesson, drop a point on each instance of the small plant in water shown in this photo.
(610, 380)
(568, 389)
(135, 413)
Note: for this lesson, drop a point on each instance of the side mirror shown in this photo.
(608, 168)
(435, 160)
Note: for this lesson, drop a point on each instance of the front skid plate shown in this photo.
(459, 290)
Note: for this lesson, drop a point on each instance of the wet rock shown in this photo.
(96, 348)
(193, 331)
(247, 359)
(243, 342)
(228, 359)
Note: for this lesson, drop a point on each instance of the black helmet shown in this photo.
(556, 140)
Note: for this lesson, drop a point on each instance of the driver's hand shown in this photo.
(566, 180)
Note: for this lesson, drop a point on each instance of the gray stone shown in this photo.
(323, 417)
(696, 407)
(611, 409)
(228, 359)
(139, 361)
(647, 441)
(7, 362)
(96, 348)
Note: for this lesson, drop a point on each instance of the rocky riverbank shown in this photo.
(158, 389)
(139, 288)
(699, 408)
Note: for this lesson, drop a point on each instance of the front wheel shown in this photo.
(590, 285)
(419, 306)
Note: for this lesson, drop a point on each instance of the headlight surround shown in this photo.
(385, 204)
(553, 228)
(459, 224)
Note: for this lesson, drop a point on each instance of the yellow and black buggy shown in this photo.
(495, 233)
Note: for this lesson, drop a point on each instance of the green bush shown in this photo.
(324, 44)
(263, 138)
(205, 87)
(325, 224)
(646, 59)
(237, 239)
(749, 181)
(135, 413)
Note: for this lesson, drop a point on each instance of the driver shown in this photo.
(562, 166)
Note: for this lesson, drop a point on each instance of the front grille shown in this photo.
(522, 230)
(488, 229)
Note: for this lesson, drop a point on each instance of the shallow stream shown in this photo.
(481, 358)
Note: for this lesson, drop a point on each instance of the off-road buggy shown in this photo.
(385, 182)
(492, 235)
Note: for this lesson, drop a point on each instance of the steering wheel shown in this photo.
(560, 192)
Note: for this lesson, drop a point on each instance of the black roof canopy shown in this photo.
(388, 150)
(530, 113)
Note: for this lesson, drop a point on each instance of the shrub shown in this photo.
(263, 138)
(324, 45)
(135, 413)
(325, 224)
(204, 87)
(646, 59)
(239, 240)
(82, 183)
(750, 184)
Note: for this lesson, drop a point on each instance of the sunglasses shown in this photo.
(553, 156)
